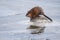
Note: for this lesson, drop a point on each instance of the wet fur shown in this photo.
(35, 12)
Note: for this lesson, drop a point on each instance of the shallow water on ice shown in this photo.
(14, 24)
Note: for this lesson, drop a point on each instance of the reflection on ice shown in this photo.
(36, 29)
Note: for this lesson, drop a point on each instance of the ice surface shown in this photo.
(14, 23)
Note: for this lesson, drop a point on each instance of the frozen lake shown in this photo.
(14, 23)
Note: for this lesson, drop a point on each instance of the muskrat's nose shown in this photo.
(28, 15)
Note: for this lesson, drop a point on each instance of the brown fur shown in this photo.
(34, 12)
